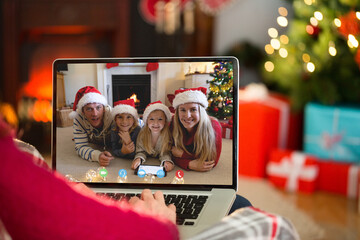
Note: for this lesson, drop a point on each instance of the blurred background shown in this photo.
(34, 33)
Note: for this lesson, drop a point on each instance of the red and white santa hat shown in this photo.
(86, 95)
(191, 95)
(125, 106)
(158, 105)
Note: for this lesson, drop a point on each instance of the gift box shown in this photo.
(332, 132)
(293, 171)
(62, 117)
(263, 126)
(227, 130)
(339, 177)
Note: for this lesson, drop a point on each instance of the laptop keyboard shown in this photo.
(188, 207)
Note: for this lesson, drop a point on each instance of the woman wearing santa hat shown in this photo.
(126, 130)
(197, 136)
(92, 124)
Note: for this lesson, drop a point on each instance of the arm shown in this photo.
(184, 160)
(82, 213)
(140, 151)
(82, 143)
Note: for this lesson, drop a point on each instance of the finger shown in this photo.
(133, 200)
(172, 207)
(108, 154)
(158, 195)
(147, 195)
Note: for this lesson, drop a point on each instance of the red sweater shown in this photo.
(188, 140)
(39, 204)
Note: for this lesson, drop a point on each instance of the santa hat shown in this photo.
(158, 105)
(84, 96)
(125, 106)
(191, 95)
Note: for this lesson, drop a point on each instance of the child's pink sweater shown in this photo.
(36, 203)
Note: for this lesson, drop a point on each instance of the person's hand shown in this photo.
(105, 158)
(154, 205)
(125, 137)
(205, 166)
(168, 166)
(135, 163)
(128, 148)
(176, 152)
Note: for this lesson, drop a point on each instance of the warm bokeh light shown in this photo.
(282, 21)
(42, 111)
(284, 39)
(269, 66)
(332, 51)
(310, 29)
(337, 22)
(273, 32)
(314, 21)
(283, 52)
(306, 57)
(275, 43)
(269, 49)
(283, 11)
(358, 15)
(352, 42)
(318, 15)
(310, 67)
(309, 2)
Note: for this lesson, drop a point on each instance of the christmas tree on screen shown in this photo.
(220, 96)
(319, 57)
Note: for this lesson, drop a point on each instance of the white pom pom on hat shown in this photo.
(158, 105)
(191, 95)
(86, 95)
(125, 106)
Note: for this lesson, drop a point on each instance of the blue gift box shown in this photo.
(332, 132)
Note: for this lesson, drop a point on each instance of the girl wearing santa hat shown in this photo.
(197, 136)
(92, 124)
(154, 139)
(124, 134)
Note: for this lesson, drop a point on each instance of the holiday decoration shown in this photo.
(293, 171)
(332, 132)
(318, 58)
(337, 177)
(220, 97)
(263, 126)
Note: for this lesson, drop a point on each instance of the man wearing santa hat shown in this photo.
(92, 125)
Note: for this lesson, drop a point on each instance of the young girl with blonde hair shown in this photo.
(197, 136)
(154, 139)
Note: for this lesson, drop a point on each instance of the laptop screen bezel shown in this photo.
(234, 60)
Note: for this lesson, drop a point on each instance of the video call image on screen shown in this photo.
(144, 83)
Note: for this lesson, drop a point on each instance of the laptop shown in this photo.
(147, 80)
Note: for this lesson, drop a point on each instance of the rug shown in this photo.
(264, 196)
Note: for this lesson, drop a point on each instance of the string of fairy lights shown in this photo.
(278, 44)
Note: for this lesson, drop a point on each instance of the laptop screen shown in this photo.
(100, 106)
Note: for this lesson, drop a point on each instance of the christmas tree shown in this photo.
(319, 57)
(220, 96)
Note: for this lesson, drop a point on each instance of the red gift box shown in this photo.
(293, 171)
(339, 177)
(227, 130)
(263, 126)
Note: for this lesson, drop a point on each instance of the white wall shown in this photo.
(79, 75)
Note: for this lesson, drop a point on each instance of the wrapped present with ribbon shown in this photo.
(263, 126)
(332, 132)
(339, 177)
(293, 171)
(227, 130)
